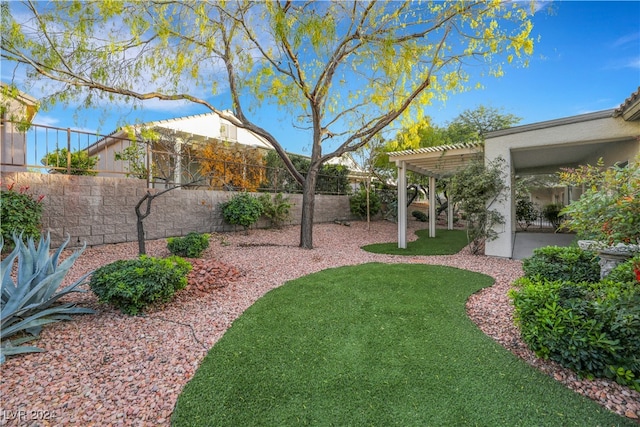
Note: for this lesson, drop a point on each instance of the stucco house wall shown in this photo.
(19, 107)
(193, 130)
(544, 147)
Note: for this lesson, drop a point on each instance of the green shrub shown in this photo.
(358, 203)
(624, 272)
(278, 209)
(242, 209)
(81, 162)
(609, 208)
(563, 263)
(191, 246)
(551, 213)
(526, 213)
(21, 214)
(420, 216)
(32, 300)
(132, 285)
(591, 328)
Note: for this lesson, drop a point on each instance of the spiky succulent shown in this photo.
(31, 301)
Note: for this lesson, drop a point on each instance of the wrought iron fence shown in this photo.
(49, 149)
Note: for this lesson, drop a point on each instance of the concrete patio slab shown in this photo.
(525, 242)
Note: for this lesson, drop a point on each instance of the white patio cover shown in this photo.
(435, 162)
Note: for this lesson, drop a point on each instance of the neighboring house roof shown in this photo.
(196, 128)
(208, 126)
(630, 108)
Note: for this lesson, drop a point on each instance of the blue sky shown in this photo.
(587, 59)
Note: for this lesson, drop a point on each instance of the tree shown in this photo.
(476, 188)
(473, 125)
(345, 71)
(232, 165)
(468, 126)
(609, 209)
(332, 179)
(72, 163)
(147, 199)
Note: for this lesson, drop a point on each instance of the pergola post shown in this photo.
(402, 205)
(432, 206)
(177, 173)
(433, 162)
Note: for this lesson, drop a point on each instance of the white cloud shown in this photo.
(634, 63)
(622, 63)
(626, 39)
(47, 120)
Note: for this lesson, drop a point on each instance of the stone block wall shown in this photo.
(101, 210)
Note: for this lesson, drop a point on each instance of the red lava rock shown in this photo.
(209, 274)
(93, 356)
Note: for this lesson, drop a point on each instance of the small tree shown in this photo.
(74, 163)
(332, 179)
(135, 156)
(476, 188)
(553, 213)
(526, 213)
(365, 203)
(609, 210)
(277, 209)
(141, 216)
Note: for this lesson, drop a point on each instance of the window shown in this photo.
(228, 132)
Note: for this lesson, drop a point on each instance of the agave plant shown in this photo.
(32, 300)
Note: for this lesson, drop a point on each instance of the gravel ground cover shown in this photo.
(112, 369)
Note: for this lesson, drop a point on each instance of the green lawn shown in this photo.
(446, 242)
(377, 345)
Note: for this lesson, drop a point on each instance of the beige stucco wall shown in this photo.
(622, 142)
(12, 140)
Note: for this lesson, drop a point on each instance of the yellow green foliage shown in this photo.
(232, 165)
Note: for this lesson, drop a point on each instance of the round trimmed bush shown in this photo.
(242, 209)
(191, 246)
(132, 285)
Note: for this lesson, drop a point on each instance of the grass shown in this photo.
(446, 242)
(378, 345)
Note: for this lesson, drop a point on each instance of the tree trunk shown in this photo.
(148, 197)
(141, 243)
(308, 204)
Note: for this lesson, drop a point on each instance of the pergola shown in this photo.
(436, 163)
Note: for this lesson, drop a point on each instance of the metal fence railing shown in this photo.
(48, 149)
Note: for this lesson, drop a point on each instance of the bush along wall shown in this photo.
(591, 327)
